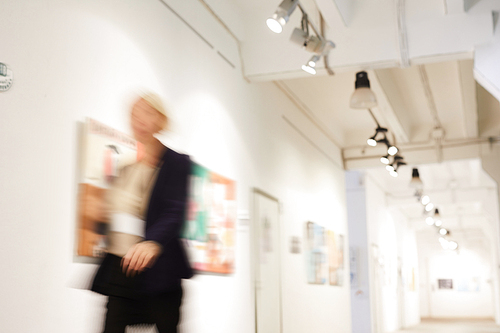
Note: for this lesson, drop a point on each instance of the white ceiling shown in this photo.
(464, 193)
(436, 38)
(431, 63)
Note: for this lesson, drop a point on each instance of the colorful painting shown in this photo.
(209, 231)
(335, 258)
(105, 151)
(315, 253)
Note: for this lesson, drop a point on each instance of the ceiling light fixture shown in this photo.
(392, 150)
(438, 223)
(429, 207)
(372, 141)
(444, 243)
(429, 220)
(312, 62)
(281, 15)
(443, 232)
(452, 245)
(389, 168)
(425, 200)
(312, 43)
(385, 159)
(363, 97)
(416, 182)
(394, 173)
(309, 69)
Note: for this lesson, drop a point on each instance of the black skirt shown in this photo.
(111, 281)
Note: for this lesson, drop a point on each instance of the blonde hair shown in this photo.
(154, 100)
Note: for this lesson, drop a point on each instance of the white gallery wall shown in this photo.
(77, 59)
(470, 270)
(393, 258)
(384, 292)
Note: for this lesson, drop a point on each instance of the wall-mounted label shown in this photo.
(5, 77)
(295, 244)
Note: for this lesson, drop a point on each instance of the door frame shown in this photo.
(254, 253)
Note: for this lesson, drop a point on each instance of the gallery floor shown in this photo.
(454, 326)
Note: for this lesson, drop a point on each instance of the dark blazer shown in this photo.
(164, 221)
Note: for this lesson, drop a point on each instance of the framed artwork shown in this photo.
(209, 230)
(316, 255)
(445, 284)
(468, 284)
(105, 150)
(335, 245)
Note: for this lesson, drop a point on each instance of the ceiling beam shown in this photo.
(357, 157)
(424, 79)
(336, 11)
(458, 6)
(390, 104)
(469, 101)
(454, 6)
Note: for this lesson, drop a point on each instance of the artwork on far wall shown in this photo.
(324, 250)
(335, 258)
(445, 284)
(468, 284)
(209, 231)
(104, 151)
(412, 283)
(315, 249)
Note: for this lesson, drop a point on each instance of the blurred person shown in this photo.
(142, 271)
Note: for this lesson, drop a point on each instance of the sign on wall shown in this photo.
(6, 77)
(105, 151)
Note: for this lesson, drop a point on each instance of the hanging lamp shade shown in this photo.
(363, 97)
(416, 182)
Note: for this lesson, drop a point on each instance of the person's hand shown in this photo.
(140, 256)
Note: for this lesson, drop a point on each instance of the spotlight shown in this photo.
(438, 223)
(443, 231)
(429, 207)
(436, 213)
(363, 97)
(308, 69)
(416, 182)
(452, 245)
(281, 15)
(392, 150)
(371, 141)
(425, 200)
(312, 62)
(394, 173)
(385, 159)
(429, 220)
(444, 243)
(389, 168)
